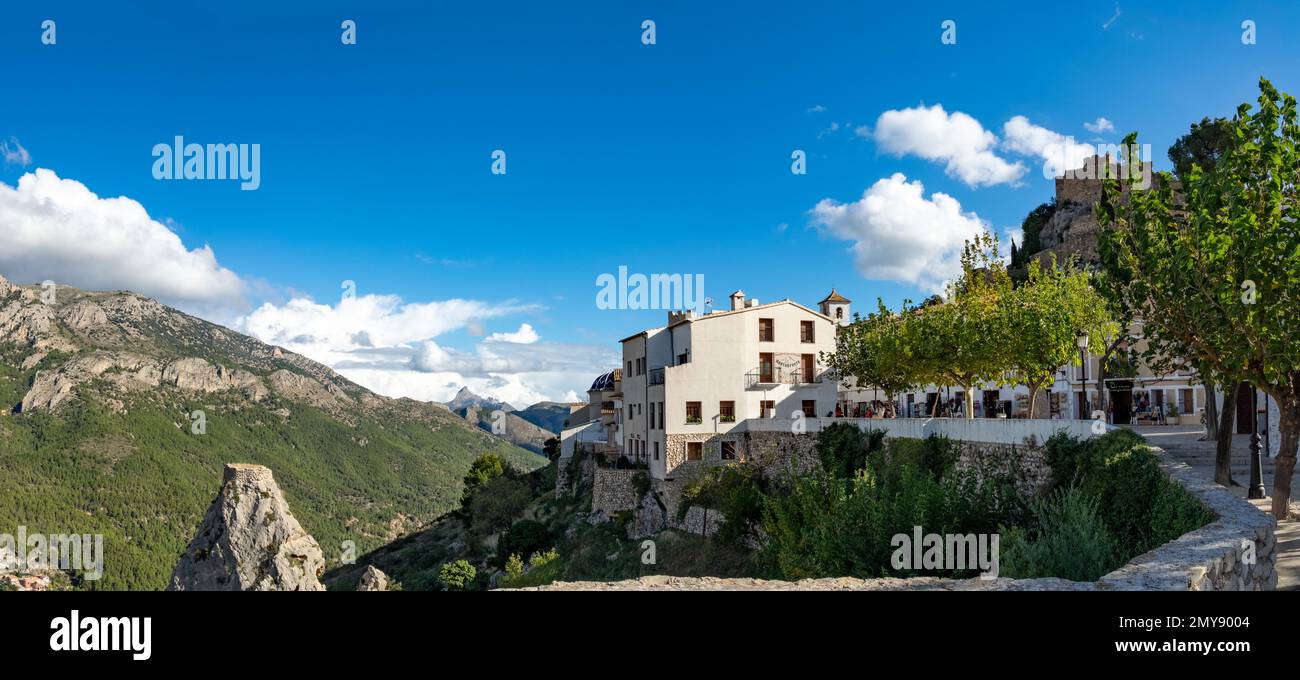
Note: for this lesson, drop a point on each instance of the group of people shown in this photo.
(862, 409)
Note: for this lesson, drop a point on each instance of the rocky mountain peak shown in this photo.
(249, 540)
(466, 398)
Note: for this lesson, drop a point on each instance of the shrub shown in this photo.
(1066, 538)
(524, 537)
(514, 567)
(737, 491)
(640, 484)
(843, 448)
(1140, 505)
(456, 575)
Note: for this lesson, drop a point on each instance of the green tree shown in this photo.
(964, 341)
(484, 468)
(456, 575)
(1218, 286)
(1203, 145)
(1045, 315)
(875, 351)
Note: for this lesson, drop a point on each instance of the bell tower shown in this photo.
(836, 306)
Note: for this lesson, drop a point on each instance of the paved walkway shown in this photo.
(1184, 444)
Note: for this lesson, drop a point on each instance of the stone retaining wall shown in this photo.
(1213, 557)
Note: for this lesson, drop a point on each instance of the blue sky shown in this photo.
(672, 157)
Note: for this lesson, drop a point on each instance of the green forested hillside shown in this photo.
(145, 483)
(115, 454)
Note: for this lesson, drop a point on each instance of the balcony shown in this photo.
(761, 378)
(656, 376)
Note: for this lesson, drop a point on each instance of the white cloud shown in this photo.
(816, 108)
(57, 229)
(900, 235)
(957, 140)
(1059, 152)
(524, 336)
(1099, 126)
(15, 154)
(391, 347)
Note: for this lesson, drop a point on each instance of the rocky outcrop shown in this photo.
(200, 376)
(249, 540)
(373, 579)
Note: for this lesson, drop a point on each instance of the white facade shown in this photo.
(704, 376)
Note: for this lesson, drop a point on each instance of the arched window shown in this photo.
(839, 312)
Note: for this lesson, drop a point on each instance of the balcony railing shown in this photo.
(656, 376)
(779, 376)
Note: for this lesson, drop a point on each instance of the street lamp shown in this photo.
(1083, 375)
(1256, 489)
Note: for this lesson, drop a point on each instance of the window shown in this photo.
(806, 333)
(767, 409)
(765, 368)
(810, 408)
(728, 450)
(661, 415)
(683, 358)
(808, 367)
(765, 332)
(652, 415)
(839, 312)
(694, 451)
(727, 411)
(629, 368)
(692, 412)
(656, 450)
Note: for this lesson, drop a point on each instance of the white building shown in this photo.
(689, 387)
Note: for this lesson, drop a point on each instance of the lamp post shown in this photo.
(1083, 375)
(1256, 489)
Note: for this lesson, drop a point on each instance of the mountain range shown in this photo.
(119, 414)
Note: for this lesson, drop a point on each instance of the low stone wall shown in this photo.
(1210, 558)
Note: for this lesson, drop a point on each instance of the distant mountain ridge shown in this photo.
(465, 399)
(548, 415)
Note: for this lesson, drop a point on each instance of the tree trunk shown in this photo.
(970, 403)
(1284, 464)
(1211, 414)
(1033, 401)
(1223, 444)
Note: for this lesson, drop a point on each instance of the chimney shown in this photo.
(737, 300)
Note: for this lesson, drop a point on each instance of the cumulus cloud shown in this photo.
(524, 336)
(1099, 126)
(900, 235)
(1058, 152)
(57, 229)
(957, 140)
(14, 153)
(391, 347)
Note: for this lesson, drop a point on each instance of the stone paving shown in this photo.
(1185, 444)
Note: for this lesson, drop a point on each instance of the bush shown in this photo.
(1066, 538)
(843, 448)
(1140, 505)
(456, 575)
(514, 567)
(737, 491)
(827, 526)
(524, 537)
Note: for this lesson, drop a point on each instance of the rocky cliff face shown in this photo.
(249, 540)
(373, 579)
